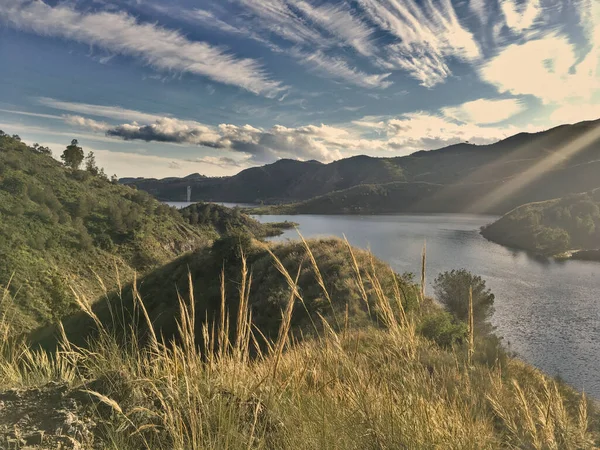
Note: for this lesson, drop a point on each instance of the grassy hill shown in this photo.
(308, 347)
(61, 228)
(552, 227)
(541, 166)
(206, 266)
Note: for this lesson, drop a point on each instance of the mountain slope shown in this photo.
(541, 165)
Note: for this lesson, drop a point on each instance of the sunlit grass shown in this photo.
(382, 386)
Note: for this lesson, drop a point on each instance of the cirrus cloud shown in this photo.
(154, 45)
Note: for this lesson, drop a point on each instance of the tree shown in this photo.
(90, 164)
(41, 149)
(73, 155)
(452, 290)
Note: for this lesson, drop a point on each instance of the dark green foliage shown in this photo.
(452, 291)
(15, 184)
(225, 220)
(73, 155)
(551, 227)
(269, 290)
(90, 164)
(443, 329)
(57, 220)
(41, 149)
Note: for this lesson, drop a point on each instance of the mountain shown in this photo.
(522, 168)
(63, 228)
(552, 227)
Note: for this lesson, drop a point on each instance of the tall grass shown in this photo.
(379, 387)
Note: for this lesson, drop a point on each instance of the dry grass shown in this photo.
(371, 388)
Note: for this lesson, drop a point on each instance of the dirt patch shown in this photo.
(47, 417)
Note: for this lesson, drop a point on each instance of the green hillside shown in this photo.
(61, 228)
(552, 227)
(160, 289)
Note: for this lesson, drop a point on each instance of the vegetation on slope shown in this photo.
(435, 181)
(62, 227)
(231, 220)
(551, 227)
(209, 268)
(378, 386)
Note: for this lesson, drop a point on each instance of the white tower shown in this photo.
(189, 194)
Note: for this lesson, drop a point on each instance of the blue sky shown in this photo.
(167, 88)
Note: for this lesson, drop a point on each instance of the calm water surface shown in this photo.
(547, 311)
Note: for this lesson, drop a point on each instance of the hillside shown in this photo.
(317, 346)
(162, 287)
(63, 228)
(552, 227)
(541, 166)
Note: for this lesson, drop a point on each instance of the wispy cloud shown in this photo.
(338, 68)
(427, 31)
(339, 21)
(110, 112)
(156, 46)
(310, 32)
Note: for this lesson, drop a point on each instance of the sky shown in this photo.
(168, 88)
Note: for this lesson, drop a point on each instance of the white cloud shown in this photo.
(520, 17)
(86, 122)
(572, 113)
(310, 142)
(425, 131)
(484, 111)
(277, 18)
(156, 46)
(427, 31)
(110, 112)
(546, 68)
(339, 69)
(341, 23)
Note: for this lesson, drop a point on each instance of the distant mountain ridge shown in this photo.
(457, 169)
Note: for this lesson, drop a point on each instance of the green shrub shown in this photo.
(443, 329)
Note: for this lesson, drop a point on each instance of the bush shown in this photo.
(443, 329)
(452, 290)
(105, 242)
(15, 184)
(230, 246)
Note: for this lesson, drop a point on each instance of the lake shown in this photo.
(547, 311)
